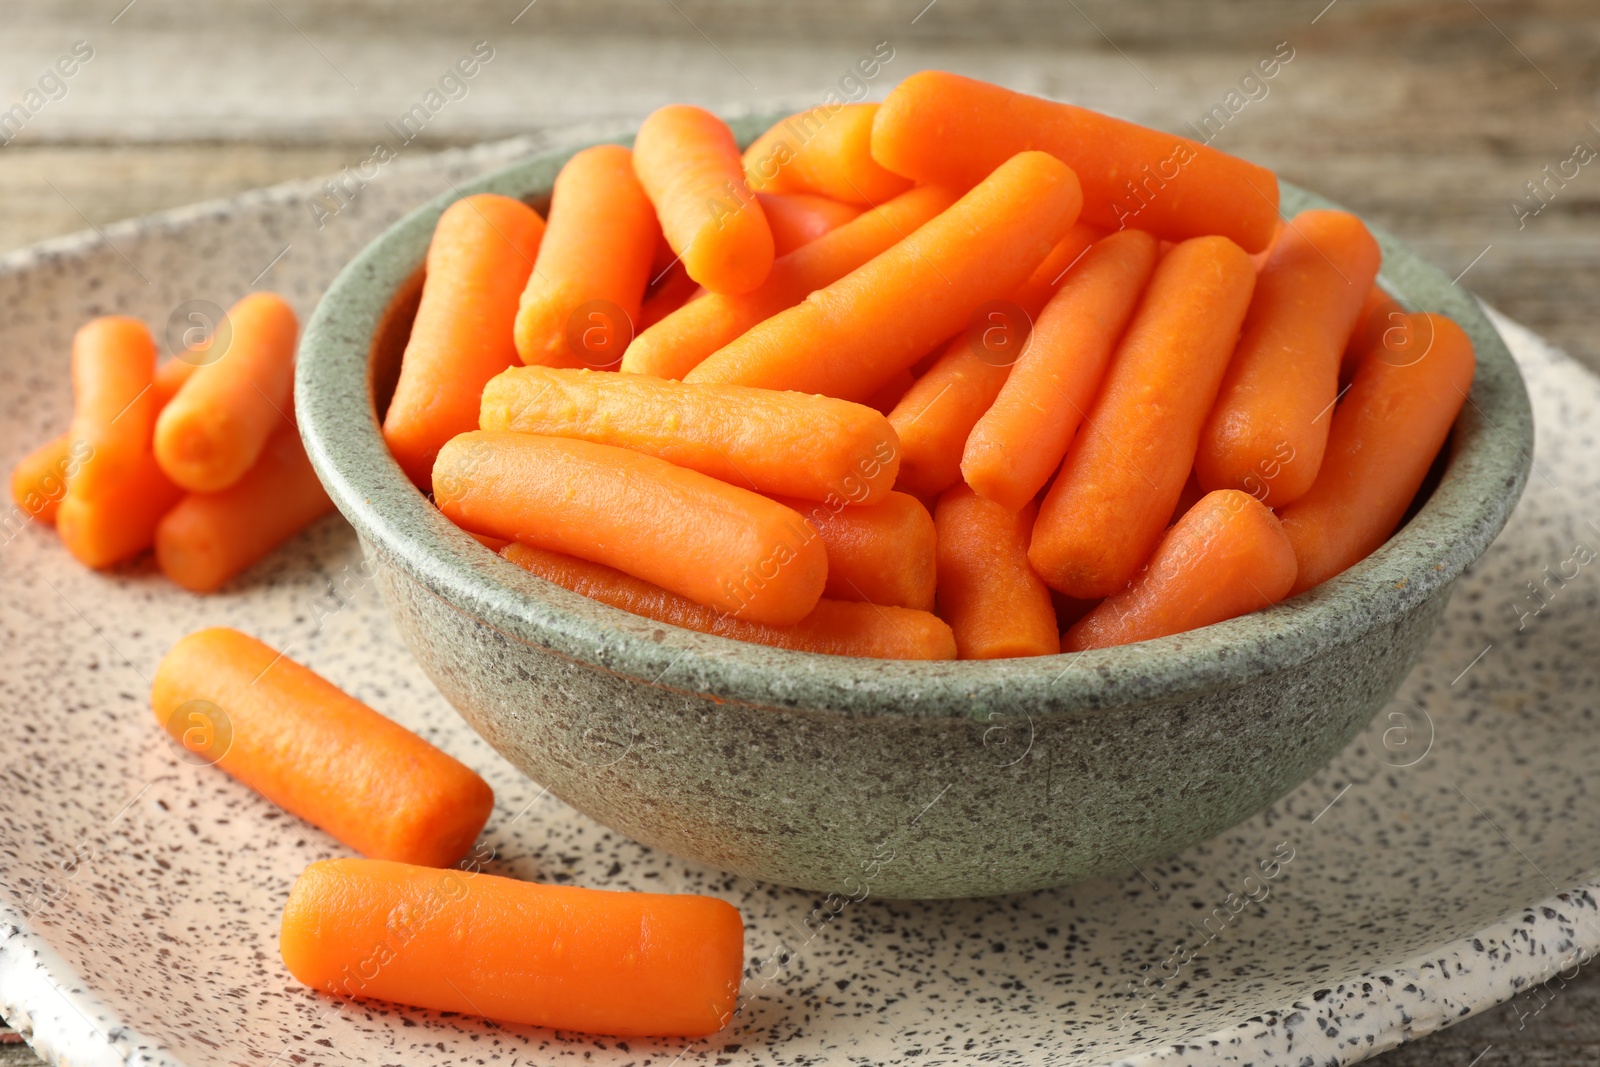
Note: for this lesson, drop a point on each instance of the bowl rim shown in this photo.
(1490, 456)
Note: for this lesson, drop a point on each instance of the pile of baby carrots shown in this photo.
(942, 376)
(197, 457)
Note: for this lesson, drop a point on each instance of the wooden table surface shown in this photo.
(1429, 116)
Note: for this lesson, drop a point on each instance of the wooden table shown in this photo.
(1429, 116)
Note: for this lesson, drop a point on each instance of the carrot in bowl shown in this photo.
(879, 553)
(850, 338)
(689, 165)
(800, 218)
(593, 263)
(316, 751)
(1227, 556)
(1379, 312)
(682, 340)
(824, 151)
(589, 960)
(211, 432)
(1020, 440)
(833, 628)
(717, 544)
(479, 261)
(800, 445)
(113, 402)
(1269, 428)
(943, 128)
(1407, 392)
(210, 537)
(988, 593)
(1123, 473)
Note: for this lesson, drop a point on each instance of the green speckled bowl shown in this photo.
(890, 778)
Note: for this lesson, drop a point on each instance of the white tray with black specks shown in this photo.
(1445, 862)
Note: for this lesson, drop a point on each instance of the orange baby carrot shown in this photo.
(935, 416)
(879, 553)
(1020, 440)
(211, 432)
(1386, 432)
(1122, 475)
(943, 128)
(1227, 556)
(119, 522)
(988, 593)
(850, 338)
(671, 292)
(315, 751)
(792, 443)
(594, 961)
(800, 218)
(113, 402)
(717, 544)
(834, 627)
(888, 395)
(688, 163)
(1379, 312)
(1269, 428)
(479, 261)
(39, 479)
(683, 339)
(210, 537)
(824, 151)
(172, 374)
(593, 264)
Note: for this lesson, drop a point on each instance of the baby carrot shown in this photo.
(1269, 428)
(834, 627)
(800, 218)
(171, 375)
(689, 165)
(594, 961)
(211, 432)
(316, 751)
(792, 443)
(825, 152)
(936, 415)
(118, 522)
(1379, 312)
(1108, 507)
(879, 553)
(1386, 432)
(683, 339)
(480, 259)
(717, 544)
(594, 263)
(39, 479)
(988, 593)
(943, 128)
(890, 393)
(852, 337)
(671, 292)
(1021, 438)
(210, 537)
(113, 402)
(1227, 556)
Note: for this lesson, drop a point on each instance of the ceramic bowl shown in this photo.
(895, 779)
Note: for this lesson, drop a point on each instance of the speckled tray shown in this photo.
(1448, 859)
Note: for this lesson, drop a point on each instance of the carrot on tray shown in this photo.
(210, 537)
(315, 751)
(800, 218)
(1407, 392)
(850, 338)
(719, 545)
(833, 628)
(827, 151)
(1123, 473)
(689, 165)
(211, 432)
(113, 402)
(478, 264)
(582, 299)
(682, 340)
(988, 593)
(796, 444)
(589, 960)
(39, 479)
(1227, 556)
(1020, 440)
(1268, 430)
(879, 553)
(935, 416)
(943, 128)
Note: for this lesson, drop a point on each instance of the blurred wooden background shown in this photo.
(1428, 116)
